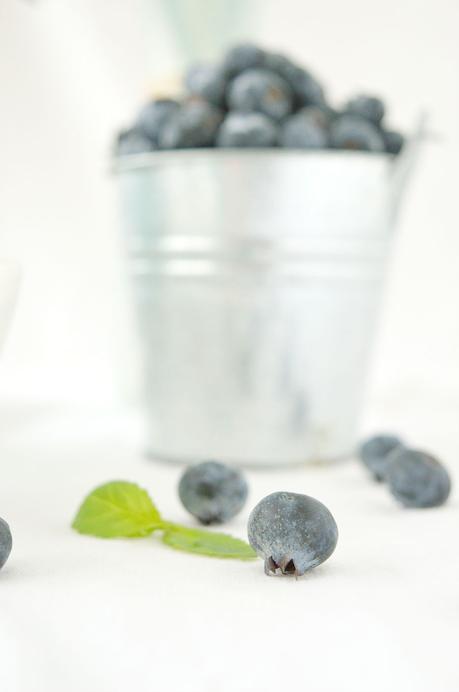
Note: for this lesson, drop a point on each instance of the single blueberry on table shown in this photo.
(241, 57)
(394, 141)
(133, 141)
(212, 492)
(195, 124)
(292, 533)
(247, 130)
(350, 131)
(369, 107)
(260, 91)
(207, 82)
(375, 451)
(6, 542)
(306, 129)
(154, 115)
(417, 479)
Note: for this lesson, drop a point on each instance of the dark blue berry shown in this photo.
(207, 82)
(212, 492)
(133, 141)
(195, 124)
(154, 115)
(417, 479)
(375, 451)
(292, 533)
(260, 91)
(306, 89)
(244, 56)
(368, 107)
(6, 542)
(354, 132)
(393, 141)
(307, 129)
(247, 130)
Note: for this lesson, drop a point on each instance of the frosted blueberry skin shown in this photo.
(133, 141)
(260, 91)
(351, 131)
(241, 57)
(375, 451)
(369, 107)
(417, 479)
(247, 130)
(6, 542)
(307, 129)
(195, 124)
(293, 533)
(154, 115)
(208, 82)
(212, 492)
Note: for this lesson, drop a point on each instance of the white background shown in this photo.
(80, 614)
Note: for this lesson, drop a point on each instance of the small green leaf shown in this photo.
(117, 509)
(208, 543)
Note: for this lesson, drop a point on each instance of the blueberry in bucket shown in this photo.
(208, 82)
(212, 492)
(292, 533)
(260, 91)
(307, 129)
(369, 107)
(247, 130)
(351, 131)
(195, 124)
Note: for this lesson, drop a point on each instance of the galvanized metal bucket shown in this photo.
(257, 277)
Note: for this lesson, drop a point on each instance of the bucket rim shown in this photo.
(157, 159)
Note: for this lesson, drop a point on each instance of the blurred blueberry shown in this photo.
(394, 141)
(244, 56)
(195, 124)
(306, 89)
(354, 132)
(133, 141)
(154, 115)
(292, 533)
(375, 451)
(208, 82)
(307, 129)
(247, 130)
(212, 492)
(6, 542)
(260, 91)
(368, 107)
(417, 479)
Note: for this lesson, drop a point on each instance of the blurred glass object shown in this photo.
(203, 28)
(9, 283)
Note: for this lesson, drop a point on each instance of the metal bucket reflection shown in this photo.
(257, 279)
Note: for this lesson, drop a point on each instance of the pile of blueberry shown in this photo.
(255, 98)
(294, 533)
(6, 542)
(415, 478)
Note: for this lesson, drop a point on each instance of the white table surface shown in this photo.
(78, 614)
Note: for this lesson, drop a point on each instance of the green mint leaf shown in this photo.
(117, 509)
(205, 542)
